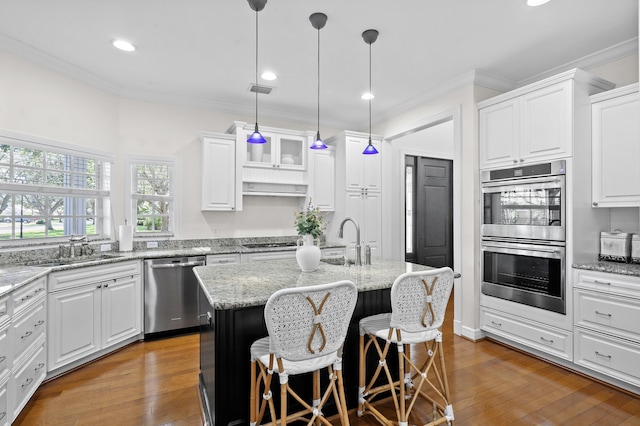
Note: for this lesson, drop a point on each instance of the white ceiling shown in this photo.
(202, 53)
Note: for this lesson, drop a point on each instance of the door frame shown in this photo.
(453, 114)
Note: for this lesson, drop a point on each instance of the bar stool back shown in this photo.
(418, 305)
(307, 327)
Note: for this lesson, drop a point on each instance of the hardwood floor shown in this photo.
(155, 383)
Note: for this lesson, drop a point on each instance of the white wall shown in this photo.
(40, 102)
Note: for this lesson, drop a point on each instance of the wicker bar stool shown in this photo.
(307, 327)
(418, 304)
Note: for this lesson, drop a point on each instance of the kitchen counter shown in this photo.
(232, 299)
(14, 276)
(234, 286)
(610, 267)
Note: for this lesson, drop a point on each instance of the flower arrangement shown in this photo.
(309, 220)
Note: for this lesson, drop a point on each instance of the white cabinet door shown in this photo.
(121, 309)
(366, 209)
(323, 179)
(219, 173)
(499, 134)
(74, 324)
(616, 150)
(546, 123)
(284, 150)
(529, 128)
(362, 171)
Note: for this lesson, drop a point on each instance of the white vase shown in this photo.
(308, 254)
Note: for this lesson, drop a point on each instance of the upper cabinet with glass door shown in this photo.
(285, 149)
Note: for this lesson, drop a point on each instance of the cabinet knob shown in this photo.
(595, 204)
(99, 286)
(515, 161)
(522, 160)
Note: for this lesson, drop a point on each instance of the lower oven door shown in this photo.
(531, 274)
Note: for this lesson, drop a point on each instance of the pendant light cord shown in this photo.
(370, 93)
(256, 70)
(318, 83)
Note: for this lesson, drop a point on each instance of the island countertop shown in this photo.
(237, 286)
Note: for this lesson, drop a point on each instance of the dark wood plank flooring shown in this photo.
(155, 383)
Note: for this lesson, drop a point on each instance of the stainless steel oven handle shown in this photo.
(519, 182)
(543, 250)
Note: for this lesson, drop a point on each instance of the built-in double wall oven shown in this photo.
(523, 235)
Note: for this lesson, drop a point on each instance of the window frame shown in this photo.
(132, 198)
(102, 193)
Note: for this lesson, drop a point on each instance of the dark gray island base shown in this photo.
(231, 301)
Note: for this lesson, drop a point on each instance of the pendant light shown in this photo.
(256, 137)
(318, 20)
(370, 36)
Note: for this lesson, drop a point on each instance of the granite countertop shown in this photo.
(632, 269)
(251, 284)
(14, 276)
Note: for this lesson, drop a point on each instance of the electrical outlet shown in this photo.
(215, 232)
(105, 247)
(152, 244)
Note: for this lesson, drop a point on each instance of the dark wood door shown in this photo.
(433, 212)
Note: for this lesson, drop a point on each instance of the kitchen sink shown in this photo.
(271, 245)
(336, 261)
(77, 261)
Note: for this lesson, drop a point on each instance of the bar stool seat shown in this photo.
(306, 328)
(418, 304)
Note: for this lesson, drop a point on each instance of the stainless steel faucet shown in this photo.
(341, 233)
(72, 242)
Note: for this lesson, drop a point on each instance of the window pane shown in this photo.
(28, 157)
(28, 176)
(5, 174)
(57, 161)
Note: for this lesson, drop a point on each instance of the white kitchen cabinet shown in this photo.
(220, 191)
(92, 310)
(538, 336)
(220, 259)
(322, 170)
(285, 149)
(616, 148)
(607, 332)
(534, 123)
(366, 208)
(264, 256)
(5, 415)
(358, 190)
(27, 376)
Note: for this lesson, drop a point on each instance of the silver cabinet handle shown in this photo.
(601, 282)
(2, 358)
(39, 367)
(27, 382)
(603, 314)
(3, 313)
(39, 323)
(603, 355)
(27, 334)
(549, 341)
(595, 204)
(497, 324)
(99, 286)
(176, 265)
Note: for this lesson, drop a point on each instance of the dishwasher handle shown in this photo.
(176, 265)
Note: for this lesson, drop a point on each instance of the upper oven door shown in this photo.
(529, 208)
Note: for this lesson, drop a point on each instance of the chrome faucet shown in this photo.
(72, 242)
(341, 233)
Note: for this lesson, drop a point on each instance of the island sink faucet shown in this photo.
(341, 233)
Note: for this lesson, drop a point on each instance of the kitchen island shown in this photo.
(232, 299)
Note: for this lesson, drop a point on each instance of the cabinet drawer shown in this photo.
(534, 335)
(623, 285)
(5, 313)
(215, 259)
(90, 274)
(333, 252)
(268, 255)
(27, 329)
(27, 377)
(25, 296)
(5, 418)
(608, 313)
(609, 355)
(5, 350)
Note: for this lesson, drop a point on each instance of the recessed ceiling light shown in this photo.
(268, 75)
(123, 45)
(536, 2)
(367, 96)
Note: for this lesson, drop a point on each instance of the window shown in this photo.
(49, 192)
(152, 196)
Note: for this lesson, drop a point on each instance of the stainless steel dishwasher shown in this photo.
(170, 294)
